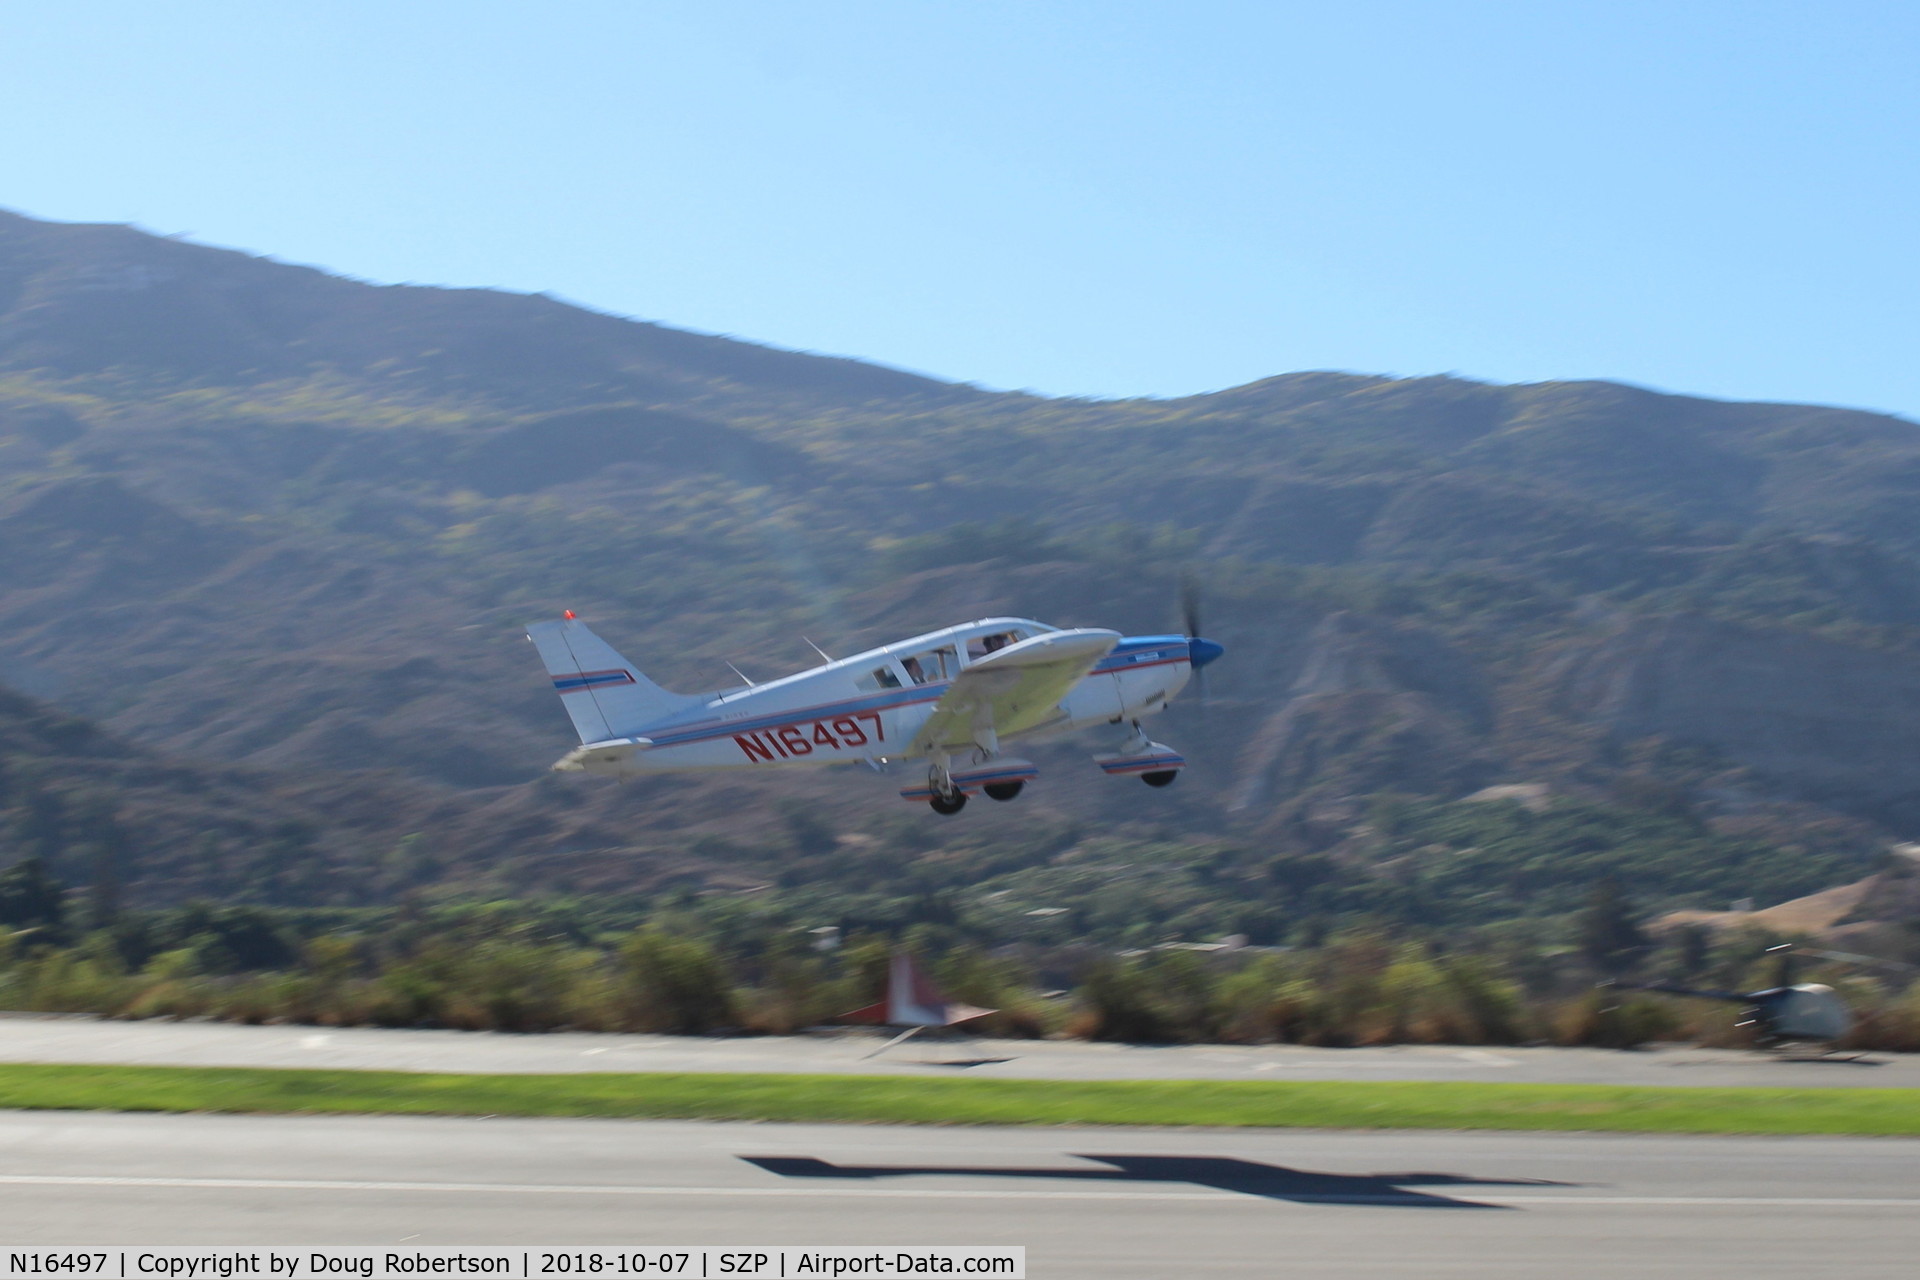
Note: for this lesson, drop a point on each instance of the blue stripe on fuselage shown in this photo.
(1135, 652)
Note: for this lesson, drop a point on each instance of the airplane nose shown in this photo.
(1201, 652)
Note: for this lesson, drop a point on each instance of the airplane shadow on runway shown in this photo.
(963, 1063)
(1249, 1177)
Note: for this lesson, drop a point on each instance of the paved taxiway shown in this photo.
(1109, 1203)
(90, 1040)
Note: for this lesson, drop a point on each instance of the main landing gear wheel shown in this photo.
(1003, 790)
(948, 804)
(1160, 777)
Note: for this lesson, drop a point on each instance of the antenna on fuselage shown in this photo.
(737, 671)
(824, 655)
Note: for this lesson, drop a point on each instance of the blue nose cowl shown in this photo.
(1201, 652)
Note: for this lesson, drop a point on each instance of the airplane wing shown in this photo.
(1012, 689)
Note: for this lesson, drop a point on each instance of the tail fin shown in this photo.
(604, 693)
(913, 1001)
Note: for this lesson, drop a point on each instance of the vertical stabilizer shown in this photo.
(606, 695)
(913, 1001)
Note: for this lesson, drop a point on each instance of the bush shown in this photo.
(1607, 1019)
(673, 985)
(1118, 1002)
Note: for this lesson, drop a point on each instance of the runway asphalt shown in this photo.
(1108, 1203)
(25, 1038)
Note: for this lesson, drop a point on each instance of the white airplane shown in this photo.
(950, 698)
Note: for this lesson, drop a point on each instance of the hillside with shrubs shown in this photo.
(269, 537)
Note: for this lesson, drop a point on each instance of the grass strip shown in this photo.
(913, 1100)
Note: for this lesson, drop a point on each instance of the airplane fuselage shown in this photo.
(869, 707)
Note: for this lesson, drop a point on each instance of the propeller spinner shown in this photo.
(1200, 651)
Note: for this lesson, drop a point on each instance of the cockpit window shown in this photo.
(980, 646)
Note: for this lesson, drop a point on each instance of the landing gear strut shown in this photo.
(947, 788)
(947, 797)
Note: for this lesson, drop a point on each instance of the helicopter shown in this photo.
(950, 698)
(1789, 1016)
(1805, 1014)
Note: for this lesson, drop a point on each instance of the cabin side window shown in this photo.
(932, 666)
(877, 679)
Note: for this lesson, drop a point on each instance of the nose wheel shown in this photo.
(948, 804)
(1154, 763)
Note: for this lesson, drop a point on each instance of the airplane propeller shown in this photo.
(1190, 605)
(1200, 651)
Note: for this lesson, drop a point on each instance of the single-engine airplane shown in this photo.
(950, 698)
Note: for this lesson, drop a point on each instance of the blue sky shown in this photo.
(1097, 199)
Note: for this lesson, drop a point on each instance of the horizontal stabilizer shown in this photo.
(608, 757)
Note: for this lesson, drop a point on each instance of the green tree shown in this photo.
(31, 899)
(1610, 939)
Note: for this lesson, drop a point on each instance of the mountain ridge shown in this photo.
(116, 306)
(297, 520)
